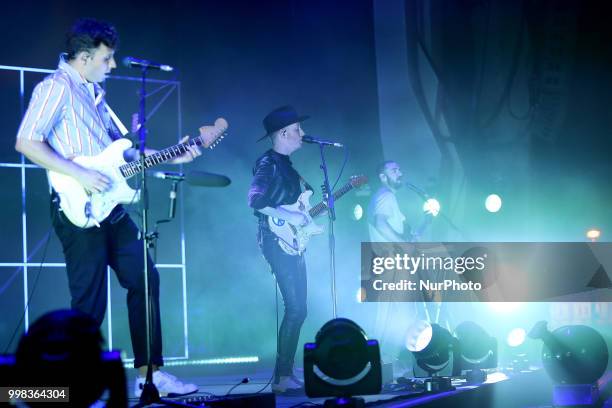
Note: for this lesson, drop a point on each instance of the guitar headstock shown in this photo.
(212, 135)
(358, 181)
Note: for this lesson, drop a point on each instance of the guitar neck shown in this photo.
(135, 167)
(321, 207)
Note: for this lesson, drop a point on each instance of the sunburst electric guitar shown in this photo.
(86, 209)
(292, 238)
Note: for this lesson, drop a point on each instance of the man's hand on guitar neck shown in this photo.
(191, 153)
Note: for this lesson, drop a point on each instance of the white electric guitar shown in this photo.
(293, 239)
(85, 209)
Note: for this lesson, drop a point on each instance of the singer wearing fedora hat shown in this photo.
(276, 183)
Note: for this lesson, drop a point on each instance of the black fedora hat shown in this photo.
(279, 118)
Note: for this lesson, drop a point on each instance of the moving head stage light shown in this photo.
(436, 353)
(342, 362)
(478, 351)
(574, 357)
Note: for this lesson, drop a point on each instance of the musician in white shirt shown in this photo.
(385, 219)
(386, 224)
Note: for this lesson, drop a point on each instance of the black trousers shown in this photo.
(290, 273)
(89, 252)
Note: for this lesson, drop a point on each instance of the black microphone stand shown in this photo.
(424, 196)
(150, 394)
(328, 196)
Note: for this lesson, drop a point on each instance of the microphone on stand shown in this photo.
(132, 62)
(172, 207)
(168, 175)
(316, 140)
(176, 178)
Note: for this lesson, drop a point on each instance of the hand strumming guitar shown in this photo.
(92, 180)
(295, 218)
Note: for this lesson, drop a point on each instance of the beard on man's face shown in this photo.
(394, 183)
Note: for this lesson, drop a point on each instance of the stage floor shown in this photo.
(498, 391)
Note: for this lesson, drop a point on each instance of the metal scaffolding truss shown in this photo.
(170, 87)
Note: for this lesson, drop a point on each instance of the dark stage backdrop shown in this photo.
(520, 91)
(239, 60)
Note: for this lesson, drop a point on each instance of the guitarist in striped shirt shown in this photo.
(68, 117)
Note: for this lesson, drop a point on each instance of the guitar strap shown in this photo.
(104, 110)
(116, 120)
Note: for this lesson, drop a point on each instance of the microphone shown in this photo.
(168, 175)
(172, 207)
(132, 62)
(194, 178)
(316, 140)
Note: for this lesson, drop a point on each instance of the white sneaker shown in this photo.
(167, 385)
(297, 380)
(287, 385)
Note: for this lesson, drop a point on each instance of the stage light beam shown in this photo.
(504, 307)
(493, 203)
(357, 212)
(360, 295)
(593, 234)
(516, 337)
(432, 206)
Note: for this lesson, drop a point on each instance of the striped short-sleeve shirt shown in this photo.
(69, 113)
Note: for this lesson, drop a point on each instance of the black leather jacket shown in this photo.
(275, 182)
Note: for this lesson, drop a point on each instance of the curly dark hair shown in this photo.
(87, 34)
